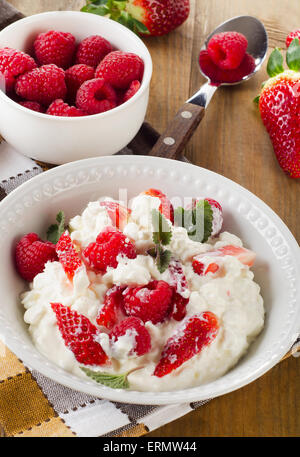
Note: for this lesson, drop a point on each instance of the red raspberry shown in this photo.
(79, 335)
(96, 96)
(227, 49)
(166, 207)
(189, 339)
(32, 254)
(14, 63)
(120, 68)
(179, 283)
(55, 47)
(118, 214)
(179, 307)
(67, 255)
(134, 326)
(133, 88)
(92, 50)
(34, 106)
(76, 76)
(291, 36)
(108, 314)
(104, 252)
(42, 85)
(60, 108)
(150, 303)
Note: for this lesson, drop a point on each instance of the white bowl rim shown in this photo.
(144, 85)
(156, 398)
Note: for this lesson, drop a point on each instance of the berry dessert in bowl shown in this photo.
(154, 295)
(76, 84)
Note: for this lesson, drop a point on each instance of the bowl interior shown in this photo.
(33, 206)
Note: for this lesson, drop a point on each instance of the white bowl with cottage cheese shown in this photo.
(254, 333)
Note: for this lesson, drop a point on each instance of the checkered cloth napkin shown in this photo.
(33, 405)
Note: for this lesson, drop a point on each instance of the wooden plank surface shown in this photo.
(232, 141)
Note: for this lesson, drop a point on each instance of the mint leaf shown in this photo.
(275, 63)
(114, 381)
(162, 232)
(55, 231)
(293, 55)
(163, 259)
(197, 221)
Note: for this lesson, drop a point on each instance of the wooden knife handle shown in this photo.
(8, 14)
(172, 142)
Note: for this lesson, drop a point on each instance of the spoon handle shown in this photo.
(172, 142)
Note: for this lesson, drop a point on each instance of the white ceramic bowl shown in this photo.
(70, 187)
(60, 140)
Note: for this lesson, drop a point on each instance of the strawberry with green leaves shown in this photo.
(279, 105)
(151, 17)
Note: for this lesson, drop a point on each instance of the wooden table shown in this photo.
(232, 141)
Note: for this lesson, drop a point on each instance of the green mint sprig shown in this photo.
(162, 235)
(197, 221)
(115, 381)
(55, 231)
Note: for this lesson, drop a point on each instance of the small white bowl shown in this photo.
(32, 206)
(58, 140)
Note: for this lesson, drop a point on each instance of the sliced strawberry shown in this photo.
(108, 314)
(135, 327)
(67, 255)
(244, 255)
(118, 214)
(166, 208)
(199, 267)
(79, 335)
(189, 339)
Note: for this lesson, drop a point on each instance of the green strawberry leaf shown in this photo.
(55, 231)
(162, 232)
(275, 63)
(197, 221)
(293, 55)
(114, 381)
(256, 100)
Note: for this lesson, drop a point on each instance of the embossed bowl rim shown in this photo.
(176, 178)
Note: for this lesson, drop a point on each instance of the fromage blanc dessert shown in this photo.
(146, 297)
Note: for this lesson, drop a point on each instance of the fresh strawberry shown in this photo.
(166, 207)
(108, 314)
(245, 256)
(194, 334)
(67, 255)
(154, 17)
(108, 246)
(32, 254)
(120, 68)
(227, 49)
(135, 327)
(150, 303)
(79, 335)
(118, 213)
(279, 105)
(291, 36)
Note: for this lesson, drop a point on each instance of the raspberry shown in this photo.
(120, 68)
(67, 255)
(118, 214)
(291, 36)
(42, 85)
(150, 303)
(14, 63)
(179, 283)
(133, 88)
(227, 49)
(32, 254)
(79, 335)
(55, 47)
(76, 76)
(108, 314)
(166, 207)
(60, 108)
(34, 106)
(189, 339)
(217, 215)
(96, 96)
(133, 326)
(104, 252)
(92, 50)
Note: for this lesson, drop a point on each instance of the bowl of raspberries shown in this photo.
(72, 85)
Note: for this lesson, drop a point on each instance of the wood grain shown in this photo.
(231, 140)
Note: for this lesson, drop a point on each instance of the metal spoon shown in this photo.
(184, 124)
